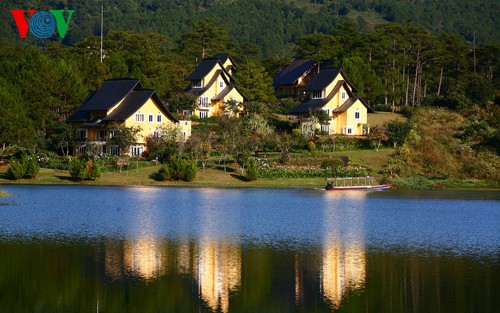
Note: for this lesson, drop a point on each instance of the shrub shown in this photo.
(164, 173)
(251, 172)
(32, 168)
(189, 170)
(178, 169)
(76, 168)
(16, 169)
(332, 163)
(84, 168)
(26, 167)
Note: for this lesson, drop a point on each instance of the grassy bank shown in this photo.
(215, 176)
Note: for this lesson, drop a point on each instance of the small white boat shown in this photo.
(355, 183)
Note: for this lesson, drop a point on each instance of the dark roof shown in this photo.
(349, 102)
(200, 91)
(323, 79)
(222, 57)
(308, 104)
(226, 91)
(290, 73)
(111, 92)
(133, 99)
(202, 70)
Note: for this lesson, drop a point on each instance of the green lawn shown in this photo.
(213, 176)
(379, 118)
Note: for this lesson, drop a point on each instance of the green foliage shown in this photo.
(25, 167)
(397, 131)
(84, 168)
(178, 169)
(251, 170)
(332, 163)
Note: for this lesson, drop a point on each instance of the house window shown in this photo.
(156, 133)
(221, 84)
(327, 111)
(343, 95)
(81, 134)
(151, 118)
(203, 114)
(158, 118)
(136, 150)
(187, 113)
(203, 101)
(348, 130)
(197, 84)
(114, 150)
(111, 133)
(82, 149)
(357, 115)
(317, 94)
(139, 117)
(101, 135)
(325, 128)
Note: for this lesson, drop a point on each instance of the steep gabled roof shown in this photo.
(111, 92)
(202, 70)
(349, 102)
(200, 91)
(226, 91)
(323, 79)
(290, 73)
(223, 57)
(133, 100)
(308, 104)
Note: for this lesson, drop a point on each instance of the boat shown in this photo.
(355, 183)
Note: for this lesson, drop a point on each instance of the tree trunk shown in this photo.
(440, 80)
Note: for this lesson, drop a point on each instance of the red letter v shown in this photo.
(20, 20)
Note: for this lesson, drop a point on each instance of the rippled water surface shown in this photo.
(147, 249)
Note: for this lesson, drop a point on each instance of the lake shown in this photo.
(153, 249)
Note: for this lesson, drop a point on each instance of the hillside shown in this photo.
(272, 25)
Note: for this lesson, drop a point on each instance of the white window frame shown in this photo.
(317, 94)
(357, 115)
(325, 128)
(348, 130)
(159, 118)
(203, 114)
(99, 137)
(139, 118)
(81, 131)
(114, 150)
(82, 149)
(343, 95)
(156, 133)
(136, 150)
(204, 102)
(221, 84)
(151, 118)
(197, 84)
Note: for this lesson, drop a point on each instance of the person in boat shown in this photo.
(329, 185)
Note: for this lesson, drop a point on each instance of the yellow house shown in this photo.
(121, 102)
(331, 92)
(212, 82)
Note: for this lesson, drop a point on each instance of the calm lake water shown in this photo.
(147, 249)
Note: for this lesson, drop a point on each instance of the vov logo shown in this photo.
(41, 24)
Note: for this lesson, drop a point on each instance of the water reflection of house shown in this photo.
(343, 269)
(143, 257)
(218, 272)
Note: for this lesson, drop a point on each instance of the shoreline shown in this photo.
(143, 177)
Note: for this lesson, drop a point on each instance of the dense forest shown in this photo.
(272, 25)
(395, 66)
